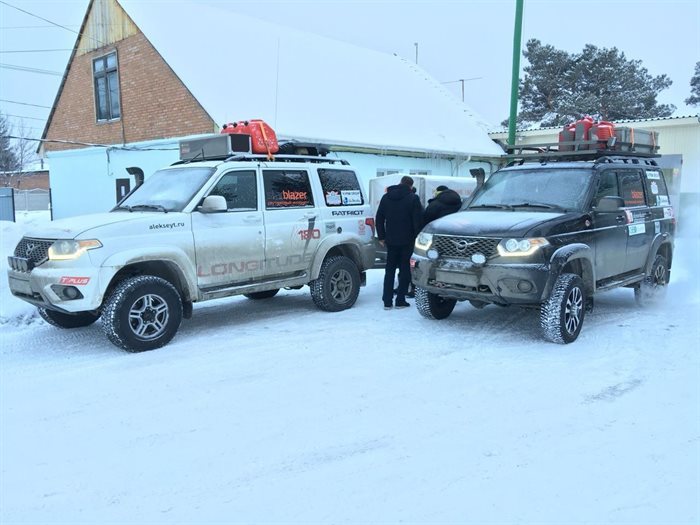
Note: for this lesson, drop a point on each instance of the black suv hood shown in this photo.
(504, 223)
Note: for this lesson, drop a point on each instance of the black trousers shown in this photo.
(397, 257)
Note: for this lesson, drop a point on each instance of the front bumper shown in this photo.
(64, 289)
(493, 282)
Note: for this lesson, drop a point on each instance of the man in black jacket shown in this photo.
(399, 220)
(446, 201)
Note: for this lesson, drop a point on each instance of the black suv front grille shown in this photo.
(36, 250)
(464, 247)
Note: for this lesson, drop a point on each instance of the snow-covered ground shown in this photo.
(272, 411)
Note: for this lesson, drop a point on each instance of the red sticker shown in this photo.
(75, 281)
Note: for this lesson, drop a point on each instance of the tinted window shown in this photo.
(607, 186)
(657, 193)
(239, 190)
(631, 189)
(287, 189)
(340, 188)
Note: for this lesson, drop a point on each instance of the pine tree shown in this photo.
(559, 87)
(8, 159)
(694, 98)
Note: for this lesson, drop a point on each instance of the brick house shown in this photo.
(142, 74)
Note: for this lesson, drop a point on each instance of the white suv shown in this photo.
(200, 230)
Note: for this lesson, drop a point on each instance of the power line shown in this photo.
(39, 17)
(31, 70)
(47, 21)
(36, 51)
(22, 116)
(108, 146)
(30, 27)
(24, 103)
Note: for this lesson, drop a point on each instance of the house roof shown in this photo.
(308, 87)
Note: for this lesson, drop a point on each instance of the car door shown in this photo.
(609, 229)
(292, 224)
(640, 221)
(229, 245)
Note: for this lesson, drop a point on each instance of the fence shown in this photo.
(32, 200)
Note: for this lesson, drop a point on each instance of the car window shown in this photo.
(631, 189)
(287, 189)
(607, 186)
(239, 189)
(340, 187)
(565, 188)
(657, 192)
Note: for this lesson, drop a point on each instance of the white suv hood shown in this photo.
(73, 227)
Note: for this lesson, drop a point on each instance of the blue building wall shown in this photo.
(85, 181)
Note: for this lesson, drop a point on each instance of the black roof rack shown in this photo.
(264, 158)
(572, 151)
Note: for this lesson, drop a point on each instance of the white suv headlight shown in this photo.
(424, 241)
(62, 250)
(521, 247)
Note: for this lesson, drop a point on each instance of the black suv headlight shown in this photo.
(521, 247)
(423, 243)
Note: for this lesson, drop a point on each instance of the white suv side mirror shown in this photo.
(214, 203)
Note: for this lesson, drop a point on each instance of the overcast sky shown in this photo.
(467, 39)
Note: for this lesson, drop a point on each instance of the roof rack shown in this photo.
(264, 158)
(567, 151)
(287, 158)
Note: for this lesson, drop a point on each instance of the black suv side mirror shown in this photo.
(610, 203)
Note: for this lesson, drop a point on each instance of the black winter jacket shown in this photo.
(446, 202)
(399, 216)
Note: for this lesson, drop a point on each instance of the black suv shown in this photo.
(549, 235)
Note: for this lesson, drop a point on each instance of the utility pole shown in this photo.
(416, 44)
(515, 79)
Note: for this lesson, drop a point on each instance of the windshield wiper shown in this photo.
(158, 207)
(123, 207)
(536, 205)
(497, 206)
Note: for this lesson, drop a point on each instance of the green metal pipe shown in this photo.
(515, 80)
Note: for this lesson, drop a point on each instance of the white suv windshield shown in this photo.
(537, 189)
(167, 190)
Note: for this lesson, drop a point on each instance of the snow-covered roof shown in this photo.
(306, 86)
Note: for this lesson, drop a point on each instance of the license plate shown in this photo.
(20, 286)
(464, 279)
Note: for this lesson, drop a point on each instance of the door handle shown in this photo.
(621, 219)
(251, 218)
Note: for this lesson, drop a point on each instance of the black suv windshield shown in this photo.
(536, 189)
(167, 190)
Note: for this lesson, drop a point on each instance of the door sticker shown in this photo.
(637, 229)
(657, 227)
(653, 175)
(351, 196)
(654, 188)
(668, 213)
(333, 198)
(662, 200)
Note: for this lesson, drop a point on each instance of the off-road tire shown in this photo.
(653, 287)
(62, 320)
(561, 316)
(432, 306)
(142, 313)
(337, 286)
(267, 294)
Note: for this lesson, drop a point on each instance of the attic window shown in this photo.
(106, 77)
